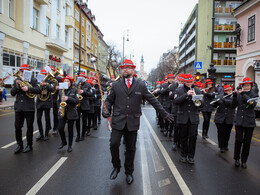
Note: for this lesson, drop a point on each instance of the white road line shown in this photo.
(46, 177)
(208, 140)
(164, 182)
(12, 143)
(184, 188)
(157, 163)
(147, 189)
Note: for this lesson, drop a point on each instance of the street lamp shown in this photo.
(127, 39)
(212, 69)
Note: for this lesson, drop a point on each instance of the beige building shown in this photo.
(37, 33)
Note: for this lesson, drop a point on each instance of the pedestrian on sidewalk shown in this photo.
(125, 99)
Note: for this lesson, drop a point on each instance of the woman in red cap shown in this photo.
(224, 117)
(245, 101)
(71, 114)
(91, 111)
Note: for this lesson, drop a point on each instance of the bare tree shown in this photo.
(114, 59)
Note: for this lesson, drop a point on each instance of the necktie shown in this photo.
(128, 83)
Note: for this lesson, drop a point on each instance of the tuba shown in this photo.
(56, 83)
(24, 83)
(62, 105)
(80, 96)
(117, 78)
(44, 96)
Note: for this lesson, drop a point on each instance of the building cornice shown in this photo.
(248, 55)
(245, 7)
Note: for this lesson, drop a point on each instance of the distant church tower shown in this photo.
(142, 74)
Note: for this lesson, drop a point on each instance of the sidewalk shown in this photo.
(9, 104)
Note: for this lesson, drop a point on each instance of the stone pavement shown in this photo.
(9, 104)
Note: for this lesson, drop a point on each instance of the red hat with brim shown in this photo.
(170, 76)
(188, 78)
(95, 78)
(197, 84)
(180, 77)
(128, 63)
(24, 67)
(68, 77)
(89, 81)
(53, 69)
(158, 82)
(246, 80)
(82, 74)
(208, 81)
(162, 82)
(43, 71)
(227, 87)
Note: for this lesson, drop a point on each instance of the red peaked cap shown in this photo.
(162, 82)
(89, 81)
(180, 77)
(246, 80)
(165, 78)
(128, 63)
(197, 84)
(208, 81)
(227, 87)
(68, 77)
(24, 67)
(188, 77)
(158, 82)
(53, 69)
(43, 71)
(171, 76)
(82, 74)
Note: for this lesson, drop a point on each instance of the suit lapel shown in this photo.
(133, 86)
(124, 87)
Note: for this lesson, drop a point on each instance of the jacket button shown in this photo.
(128, 98)
(241, 116)
(127, 106)
(21, 100)
(188, 111)
(127, 115)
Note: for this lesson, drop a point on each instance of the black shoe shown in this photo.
(206, 136)
(129, 179)
(99, 122)
(40, 137)
(165, 133)
(174, 146)
(54, 132)
(95, 128)
(226, 149)
(27, 149)
(183, 159)
(88, 133)
(69, 149)
(170, 134)
(77, 139)
(18, 149)
(62, 145)
(222, 150)
(237, 163)
(82, 138)
(203, 137)
(191, 160)
(45, 138)
(161, 130)
(114, 173)
(243, 165)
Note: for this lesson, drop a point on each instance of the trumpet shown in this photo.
(196, 98)
(80, 96)
(62, 105)
(44, 96)
(56, 83)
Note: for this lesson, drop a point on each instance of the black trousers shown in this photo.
(176, 137)
(55, 115)
(130, 147)
(243, 141)
(188, 137)
(161, 122)
(224, 131)
(90, 121)
(47, 120)
(84, 122)
(206, 122)
(19, 120)
(62, 123)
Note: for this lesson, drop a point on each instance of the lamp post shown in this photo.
(127, 39)
(79, 36)
(212, 69)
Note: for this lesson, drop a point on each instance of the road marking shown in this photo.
(184, 188)
(147, 108)
(208, 140)
(8, 145)
(147, 189)
(7, 113)
(46, 177)
(164, 182)
(157, 163)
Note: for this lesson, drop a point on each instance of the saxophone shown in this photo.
(80, 96)
(56, 83)
(44, 96)
(24, 83)
(62, 105)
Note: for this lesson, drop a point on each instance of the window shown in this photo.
(57, 31)
(77, 15)
(76, 54)
(58, 4)
(251, 28)
(47, 26)
(35, 18)
(11, 60)
(66, 36)
(76, 35)
(11, 9)
(83, 22)
(96, 36)
(67, 10)
(82, 41)
(82, 57)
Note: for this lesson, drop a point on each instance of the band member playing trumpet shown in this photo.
(69, 113)
(245, 101)
(24, 109)
(209, 95)
(224, 117)
(44, 103)
(187, 118)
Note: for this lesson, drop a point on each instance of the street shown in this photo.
(87, 168)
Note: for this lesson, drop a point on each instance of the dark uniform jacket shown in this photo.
(97, 102)
(245, 115)
(165, 100)
(172, 93)
(127, 104)
(208, 97)
(186, 108)
(71, 110)
(23, 103)
(55, 96)
(48, 103)
(225, 112)
(87, 93)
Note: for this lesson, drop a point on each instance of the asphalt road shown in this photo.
(86, 170)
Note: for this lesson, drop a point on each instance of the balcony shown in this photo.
(42, 2)
(224, 62)
(224, 28)
(57, 44)
(191, 59)
(182, 56)
(224, 10)
(182, 47)
(69, 21)
(225, 69)
(190, 48)
(191, 37)
(224, 46)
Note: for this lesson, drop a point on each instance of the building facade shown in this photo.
(141, 73)
(102, 54)
(36, 32)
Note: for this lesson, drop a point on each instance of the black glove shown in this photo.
(105, 114)
(169, 117)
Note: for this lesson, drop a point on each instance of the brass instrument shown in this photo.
(44, 96)
(117, 78)
(80, 96)
(24, 83)
(196, 98)
(221, 98)
(56, 83)
(62, 105)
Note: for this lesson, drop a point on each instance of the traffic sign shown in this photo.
(197, 65)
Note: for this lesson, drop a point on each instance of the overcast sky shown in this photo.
(154, 26)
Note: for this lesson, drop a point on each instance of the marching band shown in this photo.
(81, 102)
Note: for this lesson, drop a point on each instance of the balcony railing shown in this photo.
(224, 27)
(224, 10)
(57, 44)
(224, 62)
(224, 45)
